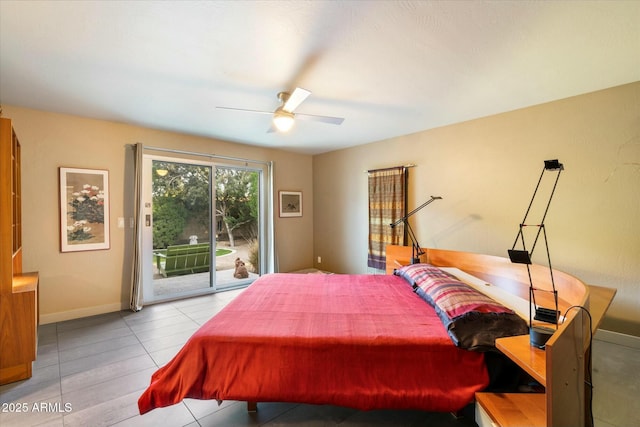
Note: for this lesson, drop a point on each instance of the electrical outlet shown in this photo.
(319, 260)
(120, 222)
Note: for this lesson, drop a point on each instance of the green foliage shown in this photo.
(180, 194)
(182, 190)
(168, 220)
(220, 252)
(237, 198)
(253, 194)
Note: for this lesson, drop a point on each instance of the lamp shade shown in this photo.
(283, 120)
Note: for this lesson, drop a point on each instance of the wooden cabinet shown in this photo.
(18, 290)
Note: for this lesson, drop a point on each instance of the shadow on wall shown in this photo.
(454, 228)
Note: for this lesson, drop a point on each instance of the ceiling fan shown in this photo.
(284, 116)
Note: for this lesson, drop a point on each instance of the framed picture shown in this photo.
(290, 203)
(84, 209)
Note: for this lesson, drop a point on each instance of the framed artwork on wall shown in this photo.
(84, 209)
(290, 203)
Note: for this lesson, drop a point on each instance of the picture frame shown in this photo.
(290, 203)
(84, 209)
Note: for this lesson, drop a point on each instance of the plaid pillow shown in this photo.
(473, 320)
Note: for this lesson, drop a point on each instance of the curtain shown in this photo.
(270, 239)
(136, 268)
(387, 203)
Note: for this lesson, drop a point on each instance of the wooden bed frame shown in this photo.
(562, 367)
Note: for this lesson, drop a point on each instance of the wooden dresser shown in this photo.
(18, 290)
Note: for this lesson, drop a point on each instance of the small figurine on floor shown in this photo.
(241, 270)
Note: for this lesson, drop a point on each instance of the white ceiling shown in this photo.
(389, 68)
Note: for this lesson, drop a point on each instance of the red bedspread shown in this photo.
(361, 341)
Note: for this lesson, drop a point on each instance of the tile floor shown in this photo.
(91, 371)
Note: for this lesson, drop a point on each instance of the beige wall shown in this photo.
(486, 171)
(85, 283)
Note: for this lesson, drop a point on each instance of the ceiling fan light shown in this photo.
(283, 120)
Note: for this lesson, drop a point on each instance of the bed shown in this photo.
(360, 341)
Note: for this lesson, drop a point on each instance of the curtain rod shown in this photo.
(211, 156)
(410, 165)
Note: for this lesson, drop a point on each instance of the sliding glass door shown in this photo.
(238, 226)
(202, 227)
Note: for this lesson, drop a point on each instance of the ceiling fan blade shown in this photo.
(291, 103)
(244, 109)
(323, 119)
(295, 99)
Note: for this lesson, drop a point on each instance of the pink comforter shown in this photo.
(361, 341)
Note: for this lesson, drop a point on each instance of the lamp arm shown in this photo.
(404, 218)
(416, 250)
(524, 220)
(549, 165)
(553, 190)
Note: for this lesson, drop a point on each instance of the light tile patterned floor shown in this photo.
(99, 366)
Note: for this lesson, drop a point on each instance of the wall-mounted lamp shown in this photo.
(539, 335)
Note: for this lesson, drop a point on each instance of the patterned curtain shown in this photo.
(387, 203)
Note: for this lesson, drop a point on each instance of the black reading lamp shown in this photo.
(416, 250)
(539, 335)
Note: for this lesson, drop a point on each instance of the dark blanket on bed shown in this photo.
(361, 341)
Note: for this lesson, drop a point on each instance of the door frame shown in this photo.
(266, 246)
(147, 229)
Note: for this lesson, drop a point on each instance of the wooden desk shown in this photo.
(531, 359)
(599, 302)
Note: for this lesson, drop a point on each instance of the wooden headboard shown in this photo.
(561, 367)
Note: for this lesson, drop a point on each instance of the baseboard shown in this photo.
(617, 338)
(79, 313)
